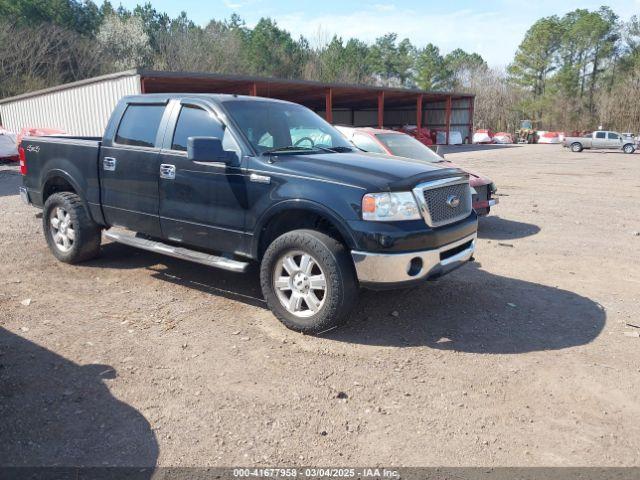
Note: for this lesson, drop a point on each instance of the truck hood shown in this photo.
(374, 172)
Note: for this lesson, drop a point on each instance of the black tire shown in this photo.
(628, 148)
(85, 244)
(576, 147)
(336, 267)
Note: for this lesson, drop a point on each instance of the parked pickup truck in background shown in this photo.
(400, 144)
(224, 180)
(600, 139)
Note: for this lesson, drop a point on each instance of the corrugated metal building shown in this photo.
(83, 108)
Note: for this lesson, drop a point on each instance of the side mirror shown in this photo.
(207, 149)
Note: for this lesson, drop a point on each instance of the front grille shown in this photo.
(438, 207)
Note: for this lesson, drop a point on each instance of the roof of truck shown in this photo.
(220, 97)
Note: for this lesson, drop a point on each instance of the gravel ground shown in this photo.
(524, 357)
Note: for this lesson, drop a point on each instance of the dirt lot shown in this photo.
(521, 358)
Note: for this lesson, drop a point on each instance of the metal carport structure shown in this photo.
(83, 107)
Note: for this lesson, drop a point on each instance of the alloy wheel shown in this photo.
(62, 230)
(300, 284)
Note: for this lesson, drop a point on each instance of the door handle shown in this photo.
(109, 164)
(167, 171)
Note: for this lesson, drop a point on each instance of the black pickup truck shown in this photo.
(224, 180)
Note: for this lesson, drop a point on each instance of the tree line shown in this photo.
(581, 70)
(569, 72)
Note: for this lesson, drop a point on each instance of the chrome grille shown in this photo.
(437, 200)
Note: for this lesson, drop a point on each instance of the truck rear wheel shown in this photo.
(71, 234)
(576, 147)
(308, 281)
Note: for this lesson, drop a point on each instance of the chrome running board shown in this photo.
(177, 252)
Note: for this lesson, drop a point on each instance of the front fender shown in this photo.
(302, 204)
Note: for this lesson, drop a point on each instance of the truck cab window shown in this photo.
(196, 122)
(613, 136)
(139, 125)
(601, 135)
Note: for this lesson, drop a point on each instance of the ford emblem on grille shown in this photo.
(453, 201)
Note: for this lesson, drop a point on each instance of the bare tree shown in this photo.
(43, 56)
(619, 108)
(497, 99)
(125, 41)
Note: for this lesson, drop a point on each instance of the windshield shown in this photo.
(274, 126)
(403, 145)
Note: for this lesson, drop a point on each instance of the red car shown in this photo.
(391, 142)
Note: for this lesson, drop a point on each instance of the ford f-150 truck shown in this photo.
(600, 140)
(224, 180)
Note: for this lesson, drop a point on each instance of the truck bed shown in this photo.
(584, 141)
(73, 158)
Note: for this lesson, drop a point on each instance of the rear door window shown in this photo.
(139, 125)
(601, 134)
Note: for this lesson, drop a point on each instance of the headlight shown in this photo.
(389, 207)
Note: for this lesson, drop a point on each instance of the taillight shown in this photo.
(23, 161)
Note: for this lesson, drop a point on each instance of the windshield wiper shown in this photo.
(335, 149)
(316, 148)
(289, 148)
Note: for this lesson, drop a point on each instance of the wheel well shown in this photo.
(54, 185)
(289, 220)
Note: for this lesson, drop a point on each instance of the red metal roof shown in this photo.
(309, 93)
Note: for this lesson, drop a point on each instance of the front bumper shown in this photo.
(483, 198)
(392, 270)
(485, 203)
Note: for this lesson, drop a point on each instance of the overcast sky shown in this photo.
(491, 28)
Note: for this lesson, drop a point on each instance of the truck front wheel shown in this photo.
(628, 148)
(576, 147)
(70, 232)
(308, 281)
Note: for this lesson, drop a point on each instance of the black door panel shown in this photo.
(130, 190)
(130, 170)
(204, 204)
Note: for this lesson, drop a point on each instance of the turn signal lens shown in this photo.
(368, 204)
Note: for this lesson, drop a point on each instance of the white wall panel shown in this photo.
(79, 110)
